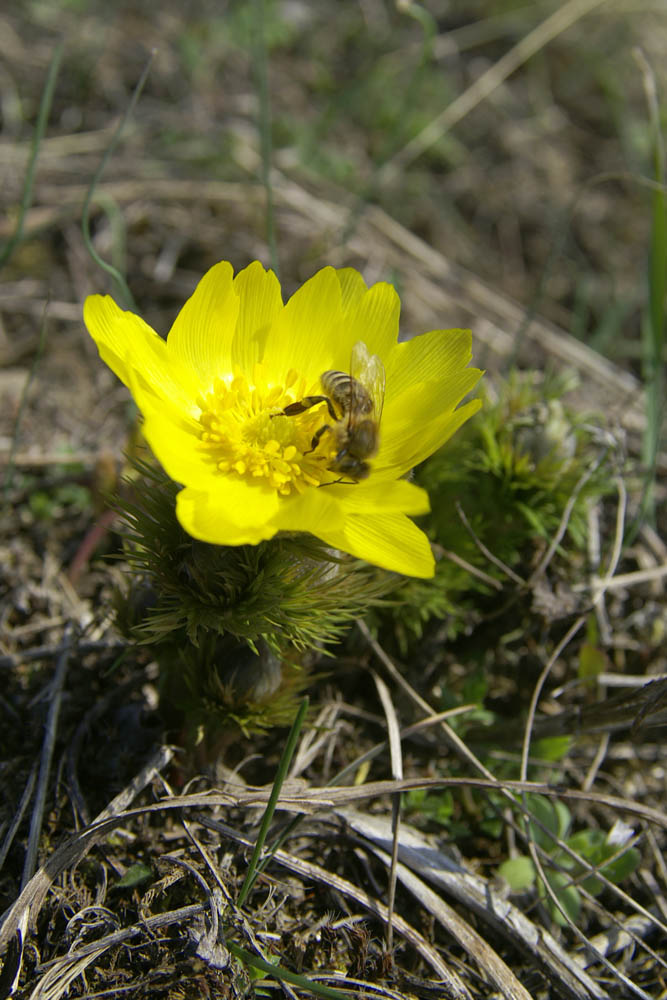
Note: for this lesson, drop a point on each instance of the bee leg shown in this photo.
(316, 438)
(305, 404)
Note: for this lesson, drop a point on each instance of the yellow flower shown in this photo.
(212, 397)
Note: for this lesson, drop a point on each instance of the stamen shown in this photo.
(244, 433)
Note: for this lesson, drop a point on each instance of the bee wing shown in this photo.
(367, 369)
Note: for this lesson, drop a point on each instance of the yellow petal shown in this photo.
(388, 539)
(352, 286)
(419, 411)
(392, 541)
(431, 357)
(390, 496)
(202, 334)
(178, 451)
(373, 318)
(127, 344)
(235, 514)
(174, 438)
(304, 336)
(310, 511)
(409, 445)
(260, 302)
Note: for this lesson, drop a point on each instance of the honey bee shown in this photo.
(354, 402)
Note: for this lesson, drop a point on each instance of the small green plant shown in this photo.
(234, 628)
(49, 505)
(435, 806)
(567, 875)
(501, 487)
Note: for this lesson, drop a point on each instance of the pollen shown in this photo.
(244, 433)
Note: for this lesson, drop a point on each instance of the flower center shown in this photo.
(244, 433)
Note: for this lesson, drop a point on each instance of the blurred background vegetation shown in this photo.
(540, 188)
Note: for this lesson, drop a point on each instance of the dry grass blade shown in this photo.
(29, 902)
(62, 972)
(45, 763)
(396, 756)
(18, 816)
(637, 711)
(566, 15)
(477, 895)
(56, 982)
(489, 962)
(486, 552)
(626, 935)
(310, 871)
(629, 579)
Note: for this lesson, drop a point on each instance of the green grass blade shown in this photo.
(277, 972)
(42, 119)
(125, 293)
(653, 326)
(285, 760)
